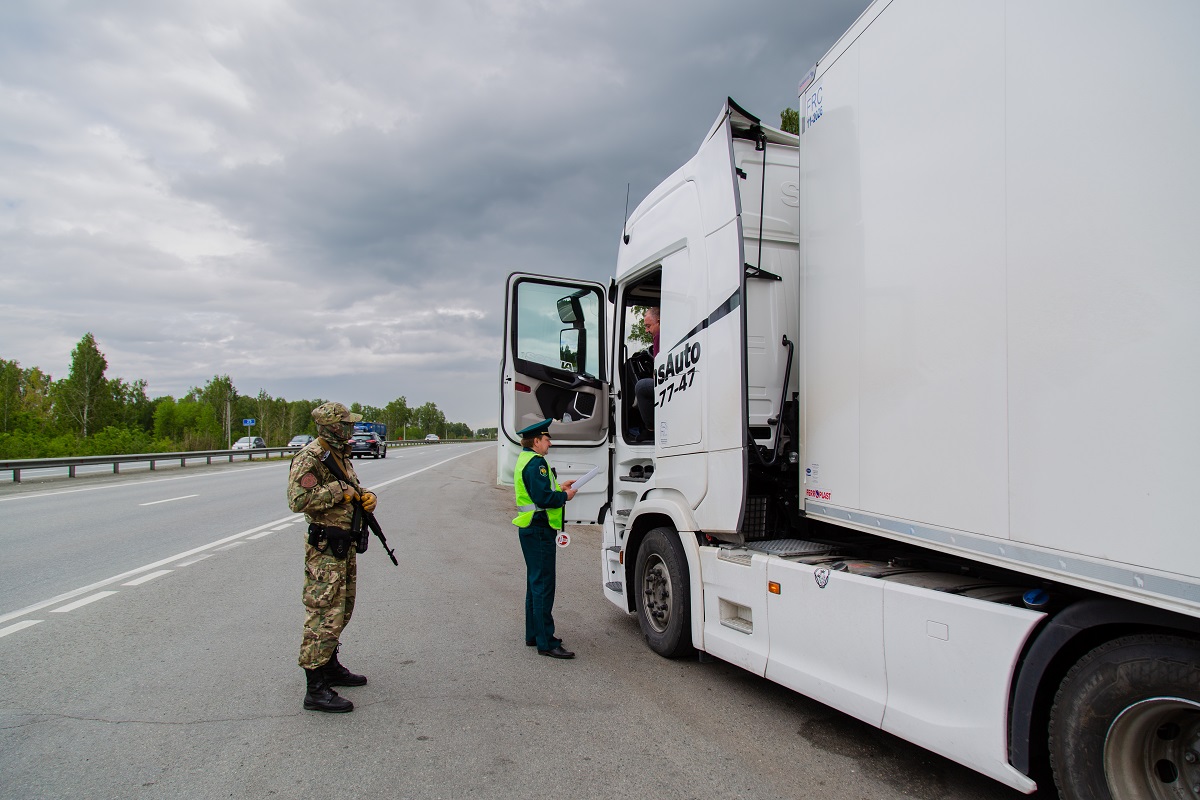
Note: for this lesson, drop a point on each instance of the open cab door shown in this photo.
(554, 367)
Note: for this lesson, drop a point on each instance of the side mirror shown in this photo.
(568, 348)
(570, 310)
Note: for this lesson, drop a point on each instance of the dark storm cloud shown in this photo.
(306, 195)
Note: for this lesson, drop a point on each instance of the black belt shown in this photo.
(338, 540)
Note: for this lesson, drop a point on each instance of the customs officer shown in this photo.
(540, 500)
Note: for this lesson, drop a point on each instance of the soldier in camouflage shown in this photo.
(330, 569)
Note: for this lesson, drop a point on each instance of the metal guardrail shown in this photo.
(19, 464)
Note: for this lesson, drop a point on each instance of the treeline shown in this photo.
(87, 413)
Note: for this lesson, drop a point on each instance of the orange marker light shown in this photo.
(621, 560)
(773, 587)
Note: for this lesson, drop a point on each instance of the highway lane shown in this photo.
(186, 684)
(71, 533)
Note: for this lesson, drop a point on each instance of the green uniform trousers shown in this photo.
(329, 589)
(539, 549)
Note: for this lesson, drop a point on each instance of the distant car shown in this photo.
(370, 443)
(432, 437)
(249, 443)
(300, 440)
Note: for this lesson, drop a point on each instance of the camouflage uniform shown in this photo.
(329, 582)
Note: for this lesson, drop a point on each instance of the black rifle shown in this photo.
(363, 520)
(359, 530)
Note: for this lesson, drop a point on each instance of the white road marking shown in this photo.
(124, 485)
(81, 603)
(264, 533)
(20, 626)
(194, 560)
(172, 500)
(195, 550)
(229, 546)
(423, 469)
(138, 571)
(150, 577)
(281, 527)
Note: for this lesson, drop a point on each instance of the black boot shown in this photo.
(320, 697)
(337, 675)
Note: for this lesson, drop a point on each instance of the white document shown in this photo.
(582, 479)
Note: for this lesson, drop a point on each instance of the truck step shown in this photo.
(614, 586)
(735, 556)
(789, 547)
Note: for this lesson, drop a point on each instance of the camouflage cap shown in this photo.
(330, 413)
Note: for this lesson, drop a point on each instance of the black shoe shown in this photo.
(337, 675)
(531, 642)
(320, 697)
(558, 652)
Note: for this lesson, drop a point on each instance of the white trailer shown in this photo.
(925, 438)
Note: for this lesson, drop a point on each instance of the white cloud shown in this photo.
(324, 199)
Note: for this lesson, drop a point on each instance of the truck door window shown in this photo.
(544, 337)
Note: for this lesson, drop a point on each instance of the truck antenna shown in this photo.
(624, 235)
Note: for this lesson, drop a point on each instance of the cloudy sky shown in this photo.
(323, 199)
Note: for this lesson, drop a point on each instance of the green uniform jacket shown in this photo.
(321, 497)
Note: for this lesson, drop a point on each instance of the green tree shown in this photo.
(637, 332)
(429, 418)
(458, 430)
(134, 408)
(220, 395)
(264, 405)
(10, 393)
(36, 401)
(789, 120)
(84, 398)
(396, 415)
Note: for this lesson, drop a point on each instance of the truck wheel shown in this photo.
(1125, 724)
(663, 595)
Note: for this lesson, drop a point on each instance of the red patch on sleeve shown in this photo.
(308, 481)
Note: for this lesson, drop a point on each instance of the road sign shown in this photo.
(249, 422)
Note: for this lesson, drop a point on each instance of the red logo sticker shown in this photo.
(308, 481)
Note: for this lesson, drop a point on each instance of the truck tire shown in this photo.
(663, 594)
(1125, 724)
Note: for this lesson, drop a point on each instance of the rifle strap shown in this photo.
(333, 464)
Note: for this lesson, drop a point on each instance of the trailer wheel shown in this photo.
(664, 596)
(1125, 724)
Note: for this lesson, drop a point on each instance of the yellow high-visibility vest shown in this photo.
(526, 508)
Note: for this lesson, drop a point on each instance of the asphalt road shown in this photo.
(184, 682)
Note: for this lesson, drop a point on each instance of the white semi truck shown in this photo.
(926, 436)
